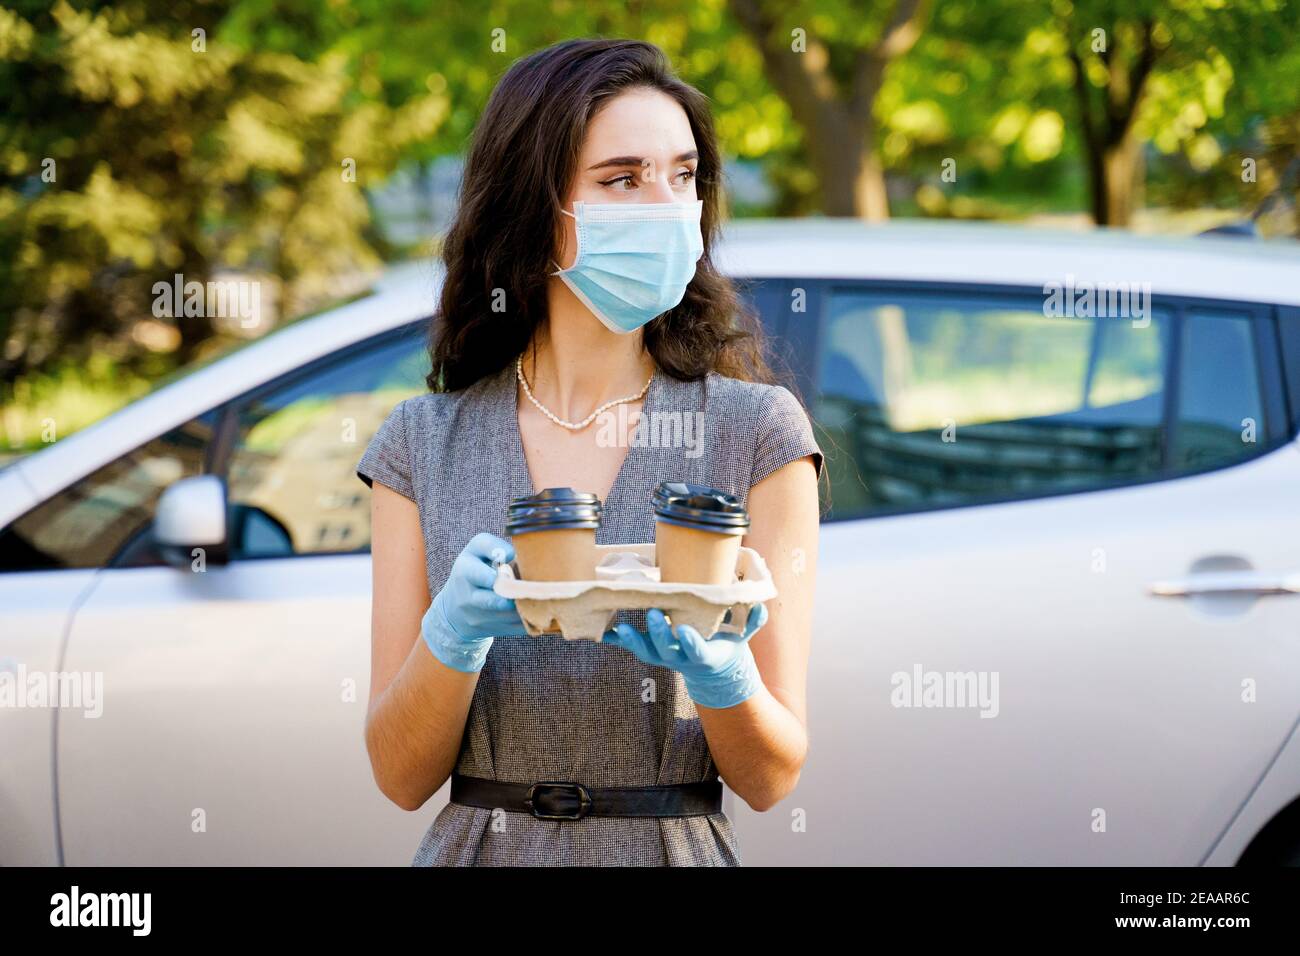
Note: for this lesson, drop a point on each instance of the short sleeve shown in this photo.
(784, 434)
(387, 459)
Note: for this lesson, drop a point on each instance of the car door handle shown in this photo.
(1227, 582)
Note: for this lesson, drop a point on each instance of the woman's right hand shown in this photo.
(466, 614)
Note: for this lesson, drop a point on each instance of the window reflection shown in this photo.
(87, 524)
(928, 401)
(294, 465)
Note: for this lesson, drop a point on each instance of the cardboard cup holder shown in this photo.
(626, 578)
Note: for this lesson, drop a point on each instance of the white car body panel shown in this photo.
(250, 683)
(990, 254)
(1278, 788)
(1084, 711)
(227, 692)
(34, 611)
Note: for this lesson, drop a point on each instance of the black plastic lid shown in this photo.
(699, 506)
(555, 496)
(552, 509)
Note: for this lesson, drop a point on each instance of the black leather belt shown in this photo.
(563, 800)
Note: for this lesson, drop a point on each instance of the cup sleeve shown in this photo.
(387, 459)
(785, 434)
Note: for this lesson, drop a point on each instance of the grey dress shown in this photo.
(547, 709)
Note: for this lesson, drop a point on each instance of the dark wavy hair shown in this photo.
(522, 159)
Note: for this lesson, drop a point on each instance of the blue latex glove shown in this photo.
(467, 613)
(718, 673)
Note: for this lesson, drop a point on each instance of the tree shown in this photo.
(830, 82)
(157, 138)
(1112, 151)
(1144, 70)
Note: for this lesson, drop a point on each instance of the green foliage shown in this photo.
(143, 138)
(152, 138)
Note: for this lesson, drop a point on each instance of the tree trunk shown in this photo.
(871, 202)
(1120, 169)
(194, 329)
(1116, 170)
(838, 126)
(850, 173)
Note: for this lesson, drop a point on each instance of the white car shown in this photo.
(1057, 618)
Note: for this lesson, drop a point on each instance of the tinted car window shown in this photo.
(931, 400)
(1220, 405)
(92, 520)
(292, 472)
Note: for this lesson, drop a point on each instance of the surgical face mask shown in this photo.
(634, 260)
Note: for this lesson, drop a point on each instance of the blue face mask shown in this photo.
(634, 260)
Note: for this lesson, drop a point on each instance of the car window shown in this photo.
(292, 471)
(933, 400)
(1220, 402)
(92, 520)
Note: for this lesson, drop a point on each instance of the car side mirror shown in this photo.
(191, 514)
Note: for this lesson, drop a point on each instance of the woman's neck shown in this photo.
(574, 364)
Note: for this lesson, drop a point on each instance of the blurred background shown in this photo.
(310, 144)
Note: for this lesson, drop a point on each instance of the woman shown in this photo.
(579, 297)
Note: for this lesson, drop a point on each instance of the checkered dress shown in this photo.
(547, 709)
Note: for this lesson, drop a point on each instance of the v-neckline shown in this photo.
(522, 478)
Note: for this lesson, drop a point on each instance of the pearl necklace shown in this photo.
(574, 426)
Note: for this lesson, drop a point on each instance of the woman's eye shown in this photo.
(628, 181)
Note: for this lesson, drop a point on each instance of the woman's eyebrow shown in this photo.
(638, 160)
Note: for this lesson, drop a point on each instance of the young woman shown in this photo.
(579, 279)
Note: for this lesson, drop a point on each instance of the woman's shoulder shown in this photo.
(441, 409)
(747, 399)
(769, 417)
(428, 407)
(419, 430)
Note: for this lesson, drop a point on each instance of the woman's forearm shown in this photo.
(414, 729)
(759, 748)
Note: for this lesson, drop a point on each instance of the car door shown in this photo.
(1043, 627)
(51, 550)
(234, 698)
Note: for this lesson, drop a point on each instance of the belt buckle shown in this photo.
(577, 789)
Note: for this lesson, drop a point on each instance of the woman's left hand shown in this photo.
(718, 673)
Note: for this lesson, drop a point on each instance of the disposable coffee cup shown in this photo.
(554, 534)
(697, 533)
